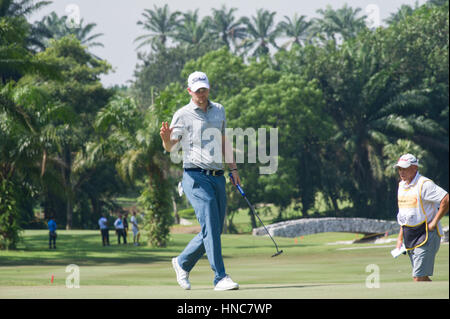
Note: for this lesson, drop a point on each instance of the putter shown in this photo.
(254, 213)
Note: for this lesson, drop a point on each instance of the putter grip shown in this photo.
(237, 185)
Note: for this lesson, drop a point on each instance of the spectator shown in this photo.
(52, 233)
(103, 223)
(118, 224)
(135, 229)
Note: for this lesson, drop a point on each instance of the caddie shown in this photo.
(421, 205)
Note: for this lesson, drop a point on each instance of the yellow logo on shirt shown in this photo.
(407, 202)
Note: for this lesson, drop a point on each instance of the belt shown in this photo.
(205, 171)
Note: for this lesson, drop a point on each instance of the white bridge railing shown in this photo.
(307, 226)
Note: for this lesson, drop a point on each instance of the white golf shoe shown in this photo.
(182, 276)
(226, 284)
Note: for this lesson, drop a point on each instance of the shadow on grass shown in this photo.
(281, 287)
(64, 260)
(84, 250)
(249, 288)
(268, 245)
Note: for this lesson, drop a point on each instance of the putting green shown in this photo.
(309, 268)
(433, 290)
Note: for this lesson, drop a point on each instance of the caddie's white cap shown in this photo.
(198, 80)
(406, 161)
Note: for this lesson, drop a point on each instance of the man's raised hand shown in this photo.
(165, 132)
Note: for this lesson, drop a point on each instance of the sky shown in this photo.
(117, 20)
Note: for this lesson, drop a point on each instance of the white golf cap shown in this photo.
(406, 161)
(198, 80)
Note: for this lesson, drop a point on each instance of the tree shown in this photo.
(224, 28)
(296, 29)
(13, 8)
(302, 127)
(191, 30)
(262, 32)
(404, 11)
(22, 9)
(24, 130)
(131, 139)
(160, 68)
(54, 27)
(10, 160)
(437, 2)
(370, 109)
(378, 92)
(9, 216)
(161, 23)
(258, 96)
(16, 59)
(419, 44)
(345, 22)
(392, 151)
(81, 92)
(226, 73)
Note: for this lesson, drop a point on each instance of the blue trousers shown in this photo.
(207, 196)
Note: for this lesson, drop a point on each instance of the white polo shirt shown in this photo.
(201, 135)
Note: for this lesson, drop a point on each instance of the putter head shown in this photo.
(277, 253)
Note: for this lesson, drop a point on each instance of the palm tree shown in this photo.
(29, 139)
(26, 107)
(16, 59)
(83, 34)
(223, 26)
(392, 151)
(370, 111)
(344, 22)
(131, 140)
(191, 30)
(54, 27)
(161, 23)
(23, 8)
(296, 29)
(436, 2)
(404, 11)
(262, 32)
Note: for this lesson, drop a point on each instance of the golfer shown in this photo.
(203, 177)
(421, 205)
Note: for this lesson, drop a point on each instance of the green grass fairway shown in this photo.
(309, 268)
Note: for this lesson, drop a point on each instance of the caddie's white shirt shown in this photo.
(201, 135)
(431, 195)
(133, 221)
(118, 224)
(102, 223)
